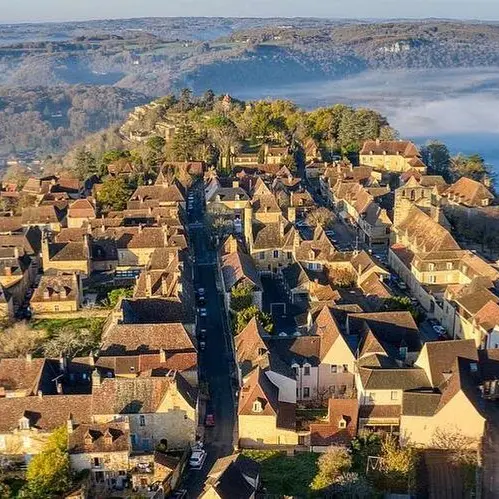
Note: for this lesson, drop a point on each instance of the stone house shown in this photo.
(237, 268)
(266, 416)
(452, 405)
(159, 409)
(165, 193)
(27, 422)
(57, 294)
(102, 449)
(72, 256)
(395, 156)
(472, 312)
(17, 274)
(428, 259)
(271, 245)
(80, 212)
(469, 193)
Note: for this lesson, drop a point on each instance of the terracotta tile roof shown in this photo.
(56, 288)
(258, 387)
(390, 147)
(101, 438)
(424, 233)
(44, 413)
(40, 215)
(23, 374)
(488, 316)
(146, 194)
(468, 192)
(239, 267)
(10, 224)
(126, 339)
(138, 395)
(249, 343)
(279, 235)
(330, 433)
(153, 363)
(326, 327)
(81, 208)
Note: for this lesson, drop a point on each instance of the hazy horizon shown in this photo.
(63, 11)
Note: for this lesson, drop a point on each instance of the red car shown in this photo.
(209, 420)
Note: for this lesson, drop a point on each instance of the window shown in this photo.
(372, 395)
(432, 279)
(142, 420)
(403, 352)
(343, 389)
(342, 424)
(276, 253)
(133, 439)
(345, 368)
(449, 265)
(257, 406)
(431, 266)
(394, 395)
(146, 444)
(334, 369)
(96, 462)
(3, 445)
(261, 255)
(332, 389)
(296, 369)
(297, 393)
(56, 308)
(306, 370)
(289, 255)
(306, 392)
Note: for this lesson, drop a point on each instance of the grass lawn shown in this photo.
(53, 326)
(285, 475)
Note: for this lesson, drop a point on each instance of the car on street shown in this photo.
(197, 459)
(201, 291)
(203, 312)
(209, 420)
(440, 330)
(179, 494)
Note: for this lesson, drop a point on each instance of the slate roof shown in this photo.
(442, 356)
(393, 379)
(299, 350)
(392, 330)
(420, 403)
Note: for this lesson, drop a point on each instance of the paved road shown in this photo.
(216, 362)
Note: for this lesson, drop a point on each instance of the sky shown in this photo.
(12, 11)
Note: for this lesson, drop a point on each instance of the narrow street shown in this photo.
(215, 361)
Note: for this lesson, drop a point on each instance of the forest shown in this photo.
(61, 82)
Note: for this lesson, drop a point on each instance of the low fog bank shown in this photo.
(457, 106)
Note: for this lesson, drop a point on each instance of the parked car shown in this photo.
(440, 330)
(197, 459)
(209, 420)
(203, 312)
(179, 494)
